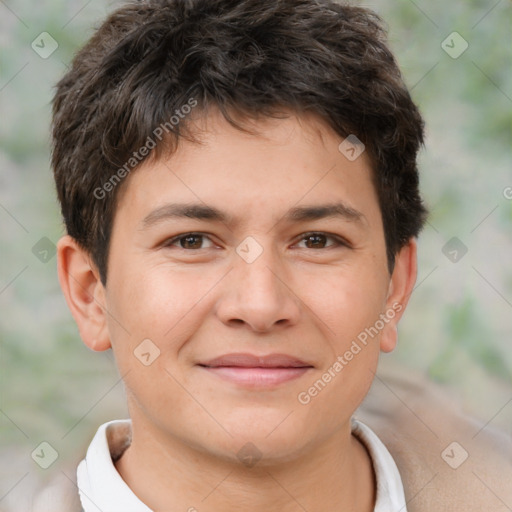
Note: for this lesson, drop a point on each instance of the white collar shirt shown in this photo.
(102, 489)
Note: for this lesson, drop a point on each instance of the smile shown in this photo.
(253, 371)
(257, 377)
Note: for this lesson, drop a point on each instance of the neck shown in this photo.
(162, 470)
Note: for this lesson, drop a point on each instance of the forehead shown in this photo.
(284, 163)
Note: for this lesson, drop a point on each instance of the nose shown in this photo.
(259, 294)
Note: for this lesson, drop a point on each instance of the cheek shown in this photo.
(159, 304)
(167, 293)
(350, 301)
(349, 305)
(163, 306)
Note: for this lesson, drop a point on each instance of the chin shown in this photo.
(261, 452)
(270, 442)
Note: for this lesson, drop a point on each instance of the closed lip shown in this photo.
(246, 360)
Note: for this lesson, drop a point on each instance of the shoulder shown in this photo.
(447, 459)
(58, 495)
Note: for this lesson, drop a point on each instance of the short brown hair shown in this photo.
(251, 57)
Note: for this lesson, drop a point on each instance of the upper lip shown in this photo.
(245, 360)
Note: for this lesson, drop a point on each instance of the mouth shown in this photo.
(254, 371)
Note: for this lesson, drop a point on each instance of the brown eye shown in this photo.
(319, 241)
(188, 241)
(191, 242)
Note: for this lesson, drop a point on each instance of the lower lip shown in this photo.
(257, 377)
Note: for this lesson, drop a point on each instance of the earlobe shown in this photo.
(400, 289)
(84, 293)
(389, 338)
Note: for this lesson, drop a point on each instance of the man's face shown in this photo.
(259, 281)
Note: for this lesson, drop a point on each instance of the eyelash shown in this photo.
(339, 242)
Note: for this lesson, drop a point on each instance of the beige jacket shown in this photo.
(447, 460)
(429, 436)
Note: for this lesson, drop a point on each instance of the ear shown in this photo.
(400, 289)
(84, 293)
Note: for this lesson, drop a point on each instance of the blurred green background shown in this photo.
(458, 326)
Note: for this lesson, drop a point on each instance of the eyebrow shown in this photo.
(204, 212)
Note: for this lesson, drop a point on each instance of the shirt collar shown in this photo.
(390, 491)
(102, 489)
(100, 486)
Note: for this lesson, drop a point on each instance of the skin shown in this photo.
(302, 297)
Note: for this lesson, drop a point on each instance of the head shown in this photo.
(288, 239)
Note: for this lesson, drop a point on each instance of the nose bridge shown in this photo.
(259, 294)
(257, 268)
